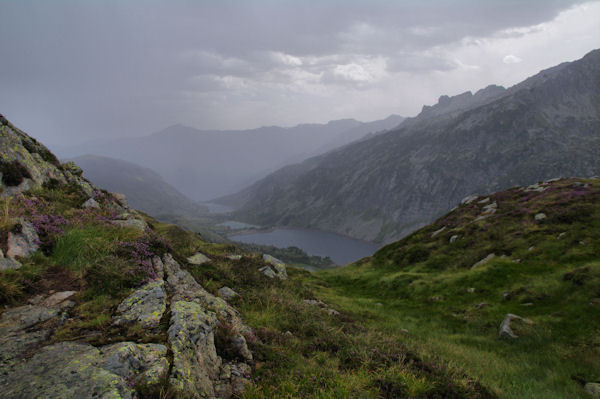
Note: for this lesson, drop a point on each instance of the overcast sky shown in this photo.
(77, 70)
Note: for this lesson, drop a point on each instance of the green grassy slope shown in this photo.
(300, 351)
(425, 289)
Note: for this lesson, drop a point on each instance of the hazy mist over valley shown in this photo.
(300, 199)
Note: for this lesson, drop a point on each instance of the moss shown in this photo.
(13, 173)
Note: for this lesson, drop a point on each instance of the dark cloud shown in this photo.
(72, 70)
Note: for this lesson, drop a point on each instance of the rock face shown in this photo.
(386, 186)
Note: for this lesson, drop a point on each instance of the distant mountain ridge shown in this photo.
(144, 188)
(207, 164)
(388, 185)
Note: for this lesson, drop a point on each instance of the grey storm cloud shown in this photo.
(75, 70)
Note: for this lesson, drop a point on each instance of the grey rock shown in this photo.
(539, 217)
(91, 203)
(506, 329)
(143, 365)
(227, 293)
(484, 201)
(438, 231)
(145, 306)
(471, 290)
(561, 235)
(322, 305)
(22, 243)
(481, 305)
(278, 265)
(55, 299)
(64, 370)
(467, 200)
(195, 361)
(453, 239)
(234, 257)
(198, 259)
(267, 271)
(592, 388)
(9, 264)
(133, 222)
(483, 261)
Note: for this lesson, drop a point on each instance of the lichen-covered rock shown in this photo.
(195, 315)
(227, 293)
(22, 242)
(195, 361)
(234, 257)
(142, 365)
(198, 259)
(72, 168)
(135, 223)
(539, 217)
(145, 306)
(278, 266)
(64, 370)
(267, 271)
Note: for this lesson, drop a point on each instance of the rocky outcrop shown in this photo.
(27, 164)
(321, 305)
(197, 370)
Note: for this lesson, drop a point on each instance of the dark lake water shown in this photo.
(340, 249)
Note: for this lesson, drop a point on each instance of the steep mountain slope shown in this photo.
(99, 301)
(386, 186)
(145, 189)
(206, 164)
(533, 252)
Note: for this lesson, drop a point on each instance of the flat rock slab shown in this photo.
(145, 306)
(227, 293)
(198, 259)
(76, 370)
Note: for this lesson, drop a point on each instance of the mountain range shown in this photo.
(207, 164)
(383, 187)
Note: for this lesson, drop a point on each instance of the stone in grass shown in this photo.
(278, 265)
(593, 388)
(227, 293)
(438, 231)
(267, 271)
(453, 239)
(539, 217)
(484, 261)
(506, 328)
(145, 306)
(91, 203)
(198, 259)
(234, 257)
